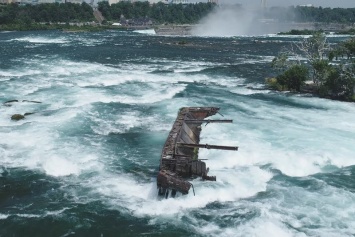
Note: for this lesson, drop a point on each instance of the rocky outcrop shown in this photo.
(98, 16)
(17, 117)
(9, 102)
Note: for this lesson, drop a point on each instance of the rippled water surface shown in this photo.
(84, 164)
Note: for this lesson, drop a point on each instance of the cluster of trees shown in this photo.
(312, 14)
(47, 12)
(158, 12)
(330, 69)
(299, 32)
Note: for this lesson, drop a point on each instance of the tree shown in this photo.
(349, 47)
(293, 78)
(340, 83)
(281, 62)
(320, 71)
(315, 49)
(336, 81)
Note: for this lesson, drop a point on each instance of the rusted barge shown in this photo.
(179, 158)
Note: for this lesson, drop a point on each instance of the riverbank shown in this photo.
(180, 30)
(64, 27)
(177, 30)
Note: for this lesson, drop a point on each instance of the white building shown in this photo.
(156, 1)
(75, 1)
(179, 1)
(306, 5)
(45, 1)
(110, 2)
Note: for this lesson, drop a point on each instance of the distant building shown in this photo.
(179, 2)
(45, 1)
(33, 2)
(306, 5)
(74, 1)
(16, 1)
(113, 1)
(110, 2)
(156, 1)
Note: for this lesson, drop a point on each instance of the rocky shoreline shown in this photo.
(173, 30)
(273, 27)
(176, 30)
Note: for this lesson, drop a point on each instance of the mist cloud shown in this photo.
(270, 3)
(233, 20)
(226, 21)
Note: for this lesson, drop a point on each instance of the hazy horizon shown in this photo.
(231, 20)
(271, 3)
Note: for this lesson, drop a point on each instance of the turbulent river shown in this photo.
(85, 163)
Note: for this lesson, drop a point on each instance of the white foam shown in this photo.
(48, 213)
(140, 198)
(59, 166)
(151, 96)
(28, 215)
(42, 40)
(57, 212)
(118, 124)
(266, 227)
(296, 135)
(3, 216)
(35, 143)
(302, 208)
(147, 31)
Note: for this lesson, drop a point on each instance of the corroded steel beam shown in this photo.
(208, 121)
(207, 146)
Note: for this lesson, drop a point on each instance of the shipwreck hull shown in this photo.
(179, 158)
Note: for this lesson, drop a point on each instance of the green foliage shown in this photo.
(349, 47)
(346, 32)
(330, 80)
(337, 52)
(340, 84)
(47, 12)
(293, 78)
(321, 69)
(182, 42)
(299, 32)
(315, 47)
(280, 62)
(311, 14)
(275, 85)
(159, 12)
(105, 10)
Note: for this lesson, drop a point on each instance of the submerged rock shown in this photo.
(32, 101)
(17, 117)
(8, 103)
